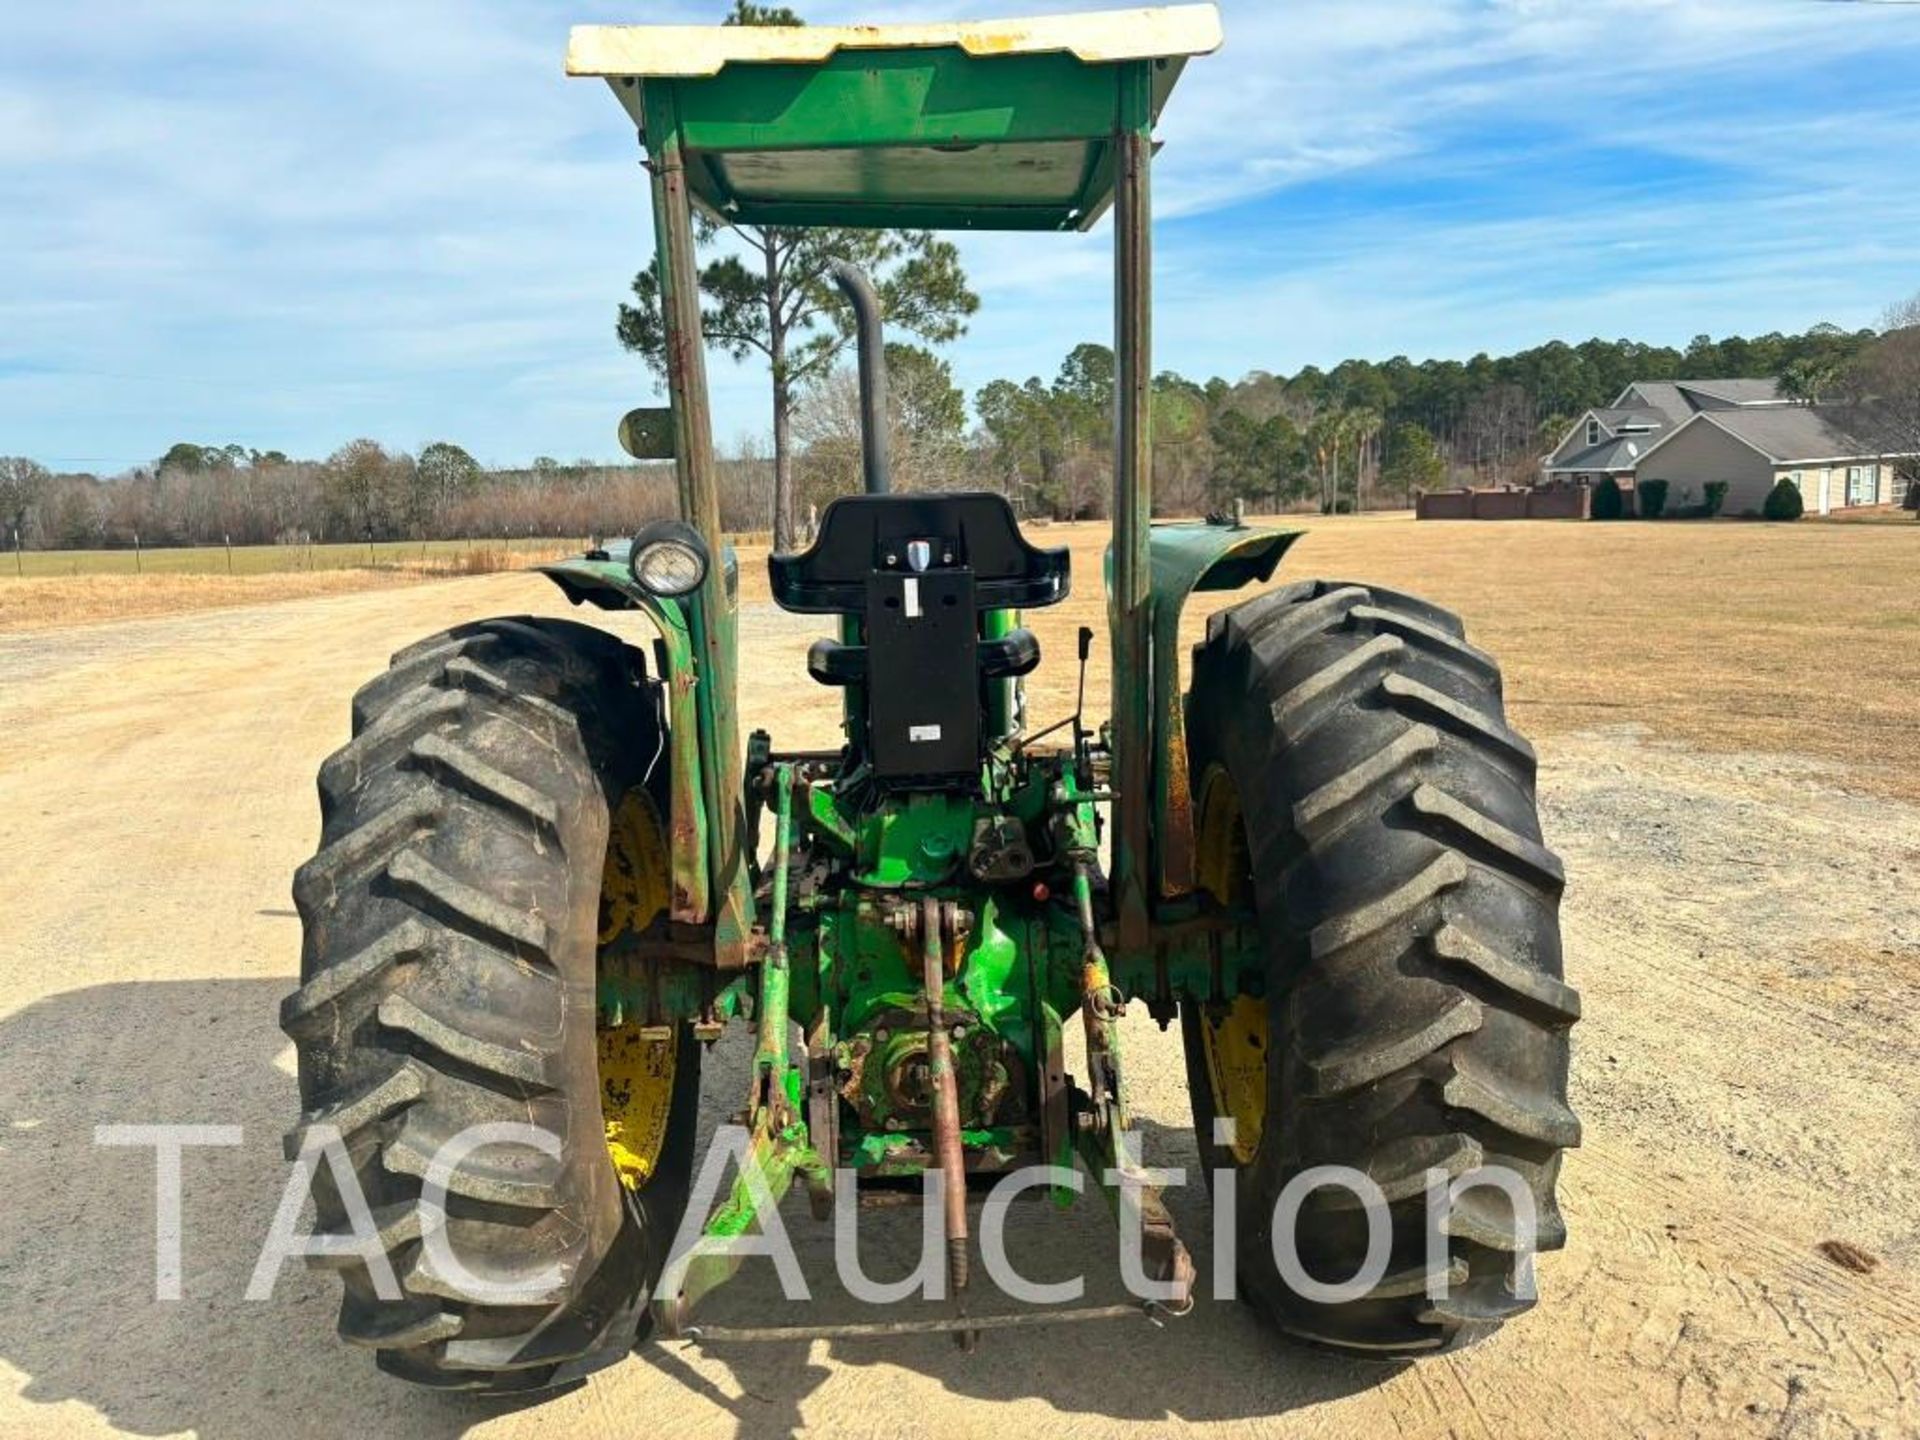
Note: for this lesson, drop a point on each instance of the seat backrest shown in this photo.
(864, 534)
(918, 571)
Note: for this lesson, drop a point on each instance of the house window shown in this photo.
(1593, 432)
(1863, 484)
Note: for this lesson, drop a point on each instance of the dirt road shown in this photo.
(1745, 929)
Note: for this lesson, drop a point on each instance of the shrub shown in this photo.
(1783, 501)
(1608, 503)
(1653, 498)
(1343, 507)
(1707, 508)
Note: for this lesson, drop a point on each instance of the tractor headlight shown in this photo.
(669, 558)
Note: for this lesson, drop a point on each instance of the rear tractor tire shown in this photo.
(1356, 781)
(453, 918)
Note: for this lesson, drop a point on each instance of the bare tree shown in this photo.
(1879, 396)
(1498, 431)
(367, 489)
(926, 421)
(21, 481)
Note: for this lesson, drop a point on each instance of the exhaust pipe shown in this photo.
(860, 294)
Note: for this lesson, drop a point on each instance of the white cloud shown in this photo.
(1800, 224)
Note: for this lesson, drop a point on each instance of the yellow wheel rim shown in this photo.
(637, 1064)
(636, 1097)
(634, 884)
(1234, 1045)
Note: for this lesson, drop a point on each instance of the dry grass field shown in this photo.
(49, 588)
(1782, 638)
(270, 559)
(1732, 637)
(1725, 716)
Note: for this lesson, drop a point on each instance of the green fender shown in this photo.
(601, 578)
(1185, 557)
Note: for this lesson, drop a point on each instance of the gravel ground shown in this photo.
(1745, 929)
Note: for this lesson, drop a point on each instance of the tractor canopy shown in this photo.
(986, 125)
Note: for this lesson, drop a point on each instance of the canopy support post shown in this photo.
(699, 489)
(1131, 601)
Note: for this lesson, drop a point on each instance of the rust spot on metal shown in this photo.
(1176, 840)
(688, 845)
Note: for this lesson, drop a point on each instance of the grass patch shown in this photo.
(442, 556)
(1796, 639)
(102, 586)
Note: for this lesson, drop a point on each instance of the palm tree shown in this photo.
(1806, 378)
(1362, 427)
(1323, 439)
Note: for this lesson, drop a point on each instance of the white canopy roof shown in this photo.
(1095, 38)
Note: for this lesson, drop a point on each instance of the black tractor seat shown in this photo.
(861, 535)
(919, 572)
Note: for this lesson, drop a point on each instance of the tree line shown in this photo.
(1361, 435)
(213, 494)
(1364, 433)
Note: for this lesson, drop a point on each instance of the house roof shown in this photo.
(1680, 400)
(1615, 419)
(1789, 433)
(1764, 391)
(1665, 398)
(1751, 410)
(1620, 453)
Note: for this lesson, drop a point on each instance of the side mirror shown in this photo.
(647, 433)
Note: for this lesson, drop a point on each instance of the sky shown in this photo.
(290, 225)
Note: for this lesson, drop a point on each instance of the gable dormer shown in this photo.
(1576, 439)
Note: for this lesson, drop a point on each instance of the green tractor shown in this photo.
(551, 873)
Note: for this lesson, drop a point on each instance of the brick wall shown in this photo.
(1546, 502)
(1443, 505)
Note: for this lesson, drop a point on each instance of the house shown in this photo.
(1743, 432)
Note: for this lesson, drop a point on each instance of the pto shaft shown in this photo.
(945, 1095)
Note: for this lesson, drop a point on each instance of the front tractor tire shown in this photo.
(1357, 783)
(452, 920)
